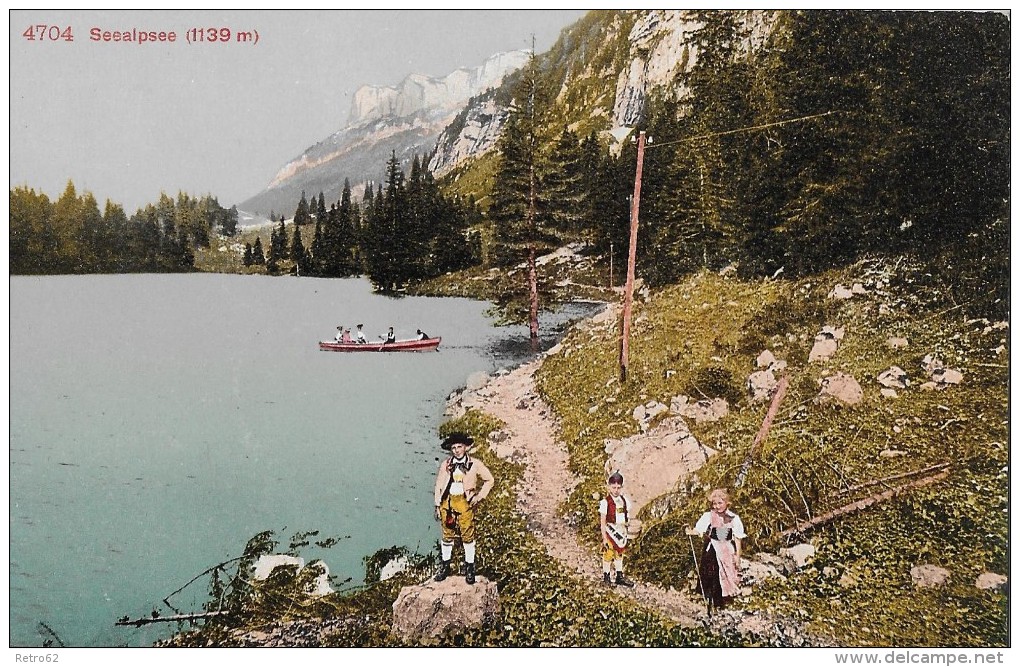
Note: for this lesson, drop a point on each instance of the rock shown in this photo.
(678, 403)
(888, 393)
(858, 288)
(555, 349)
(760, 385)
(320, 585)
(754, 625)
(753, 572)
(782, 563)
(822, 350)
(434, 608)
(840, 292)
(894, 378)
(653, 462)
(644, 414)
(801, 554)
(840, 387)
(266, 563)
(706, 411)
(393, 568)
(847, 580)
(891, 453)
(765, 359)
(947, 376)
(896, 342)
(929, 576)
(990, 581)
(930, 386)
(828, 331)
(931, 363)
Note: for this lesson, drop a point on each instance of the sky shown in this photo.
(128, 120)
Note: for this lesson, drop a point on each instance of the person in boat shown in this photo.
(457, 494)
(614, 509)
(422, 335)
(346, 338)
(360, 335)
(390, 337)
(339, 333)
(719, 572)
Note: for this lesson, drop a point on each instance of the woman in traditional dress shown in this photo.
(720, 561)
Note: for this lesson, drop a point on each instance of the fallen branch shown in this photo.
(859, 505)
(145, 620)
(777, 398)
(858, 487)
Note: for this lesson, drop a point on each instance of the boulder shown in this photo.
(888, 393)
(652, 463)
(840, 292)
(929, 576)
(393, 568)
(894, 378)
(765, 359)
(840, 387)
(783, 564)
(266, 563)
(706, 411)
(800, 554)
(896, 342)
(822, 350)
(760, 385)
(434, 608)
(991, 581)
(753, 572)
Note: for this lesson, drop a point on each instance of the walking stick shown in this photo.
(701, 584)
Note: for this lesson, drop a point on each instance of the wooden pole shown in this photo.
(628, 292)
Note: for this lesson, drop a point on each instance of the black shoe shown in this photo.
(623, 581)
(444, 570)
(469, 573)
(606, 581)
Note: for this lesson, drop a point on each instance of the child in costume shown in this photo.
(613, 515)
(723, 531)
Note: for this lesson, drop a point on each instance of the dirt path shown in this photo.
(530, 437)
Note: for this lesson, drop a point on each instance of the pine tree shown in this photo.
(248, 259)
(301, 215)
(257, 255)
(519, 208)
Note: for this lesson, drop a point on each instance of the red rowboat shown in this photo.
(399, 346)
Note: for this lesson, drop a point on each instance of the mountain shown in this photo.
(407, 119)
(603, 69)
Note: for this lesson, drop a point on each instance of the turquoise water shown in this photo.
(158, 422)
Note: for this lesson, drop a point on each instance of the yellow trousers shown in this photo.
(464, 519)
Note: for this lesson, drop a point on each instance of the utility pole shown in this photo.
(628, 292)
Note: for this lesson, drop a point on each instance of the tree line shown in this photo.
(70, 235)
(402, 231)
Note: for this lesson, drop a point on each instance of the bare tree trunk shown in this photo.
(532, 268)
(862, 504)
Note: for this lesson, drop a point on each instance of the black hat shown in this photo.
(456, 438)
(616, 478)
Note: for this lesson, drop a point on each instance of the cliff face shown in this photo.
(660, 46)
(405, 119)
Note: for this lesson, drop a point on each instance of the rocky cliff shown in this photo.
(405, 119)
(660, 46)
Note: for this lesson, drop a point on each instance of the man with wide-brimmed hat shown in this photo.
(457, 493)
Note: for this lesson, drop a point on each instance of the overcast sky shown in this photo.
(128, 120)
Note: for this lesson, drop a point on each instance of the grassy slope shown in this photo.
(709, 330)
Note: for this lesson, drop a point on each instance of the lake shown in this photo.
(157, 422)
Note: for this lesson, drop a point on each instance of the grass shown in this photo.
(712, 328)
